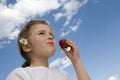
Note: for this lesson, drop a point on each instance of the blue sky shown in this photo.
(94, 25)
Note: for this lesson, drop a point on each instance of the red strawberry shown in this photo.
(63, 43)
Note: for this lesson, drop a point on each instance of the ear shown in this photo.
(26, 48)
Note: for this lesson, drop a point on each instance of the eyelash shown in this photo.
(42, 33)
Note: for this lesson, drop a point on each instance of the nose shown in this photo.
(50, 37)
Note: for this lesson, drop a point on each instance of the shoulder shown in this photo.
(16, 74)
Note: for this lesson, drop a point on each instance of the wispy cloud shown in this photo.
(60, 63)
(69, 9)
(76, 26)
(63, 33)
(114, 77)
(3, 43)
(72, 28)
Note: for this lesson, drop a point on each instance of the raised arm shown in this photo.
(73, 55)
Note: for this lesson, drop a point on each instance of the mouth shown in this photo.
(50, 43)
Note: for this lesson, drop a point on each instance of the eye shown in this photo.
(41, 33)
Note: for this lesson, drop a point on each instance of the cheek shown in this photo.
(37, 46)
(37, 42)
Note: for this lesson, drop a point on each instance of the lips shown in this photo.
(50, 43)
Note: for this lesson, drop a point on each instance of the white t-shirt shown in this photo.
(38, 73)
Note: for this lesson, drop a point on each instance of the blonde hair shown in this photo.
(24, 33)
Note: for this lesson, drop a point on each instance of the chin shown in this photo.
(51, 52)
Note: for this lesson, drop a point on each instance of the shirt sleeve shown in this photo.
(16, 75)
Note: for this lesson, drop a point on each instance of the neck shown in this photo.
(39, 62)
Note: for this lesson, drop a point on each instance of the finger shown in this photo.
(68, 53)
(70, 43)
(63, 49)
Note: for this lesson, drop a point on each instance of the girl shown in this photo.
(36, 44)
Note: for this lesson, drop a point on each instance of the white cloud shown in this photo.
(72, 28)
(114, 77)
(13, 34)
(76, 26)
(72, 8)
(58, 16)
(69, 9)
(4, 43)
(12, 16)
(65, 63)
(60, 63)
(64, 33)
(36, 7)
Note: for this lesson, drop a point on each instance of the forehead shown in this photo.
(38, 27)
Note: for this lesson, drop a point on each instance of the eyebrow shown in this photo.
(44, 31)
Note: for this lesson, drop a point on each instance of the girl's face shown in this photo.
(41, 40)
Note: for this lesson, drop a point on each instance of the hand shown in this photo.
(73, 54)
